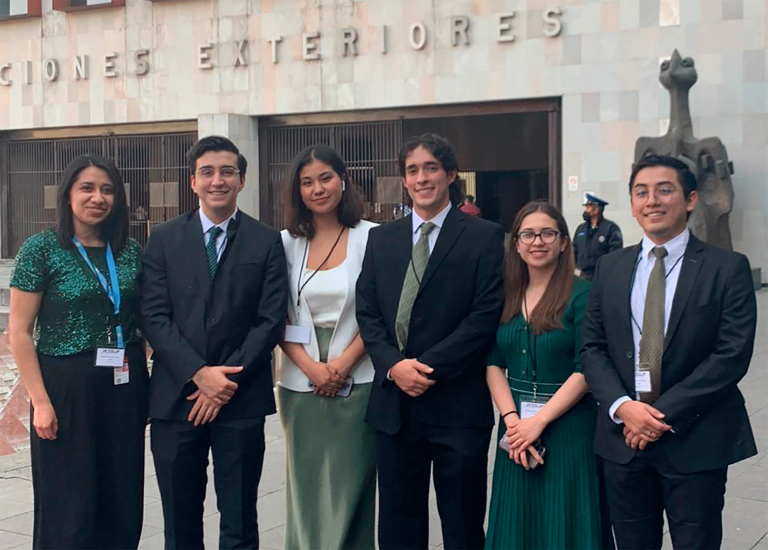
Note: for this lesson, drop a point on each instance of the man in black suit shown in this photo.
(429, 300)
(667, 335)
(214, 296)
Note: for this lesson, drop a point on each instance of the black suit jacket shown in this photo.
(453, 322)
(236, 320)
(708, 348)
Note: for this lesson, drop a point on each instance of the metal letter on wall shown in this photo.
(459, 30)
(242, 56)
(51, 70)
(142, 65)
(504, 28)
(109, 65)
(349, 38)
(204, 56)
(81, 67)
(4, 79)
(551, 17)
(420, 31)
(310, 48)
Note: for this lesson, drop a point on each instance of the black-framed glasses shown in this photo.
(226, 172)
(547, 236)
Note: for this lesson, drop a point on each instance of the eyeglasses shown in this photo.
(548, 236)
(226, 172)
(642, 193)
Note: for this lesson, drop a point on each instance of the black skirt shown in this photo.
(89, 482)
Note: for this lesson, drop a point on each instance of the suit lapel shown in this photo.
(625, 275)
(688, 272)
(194, 251)
(402, 248)
(452, 228)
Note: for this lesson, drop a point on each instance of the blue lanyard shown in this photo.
(112, 288)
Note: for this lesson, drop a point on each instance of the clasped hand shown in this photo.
(214, 390)
(643, 424)
(411, 376)
(522, 434)
(328, 378)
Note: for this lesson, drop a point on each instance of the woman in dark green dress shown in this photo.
(547, 415)
(84, 365)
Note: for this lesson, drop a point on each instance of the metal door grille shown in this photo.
(369, 149)
(146, 163)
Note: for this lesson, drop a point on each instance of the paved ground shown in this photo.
(746, 510)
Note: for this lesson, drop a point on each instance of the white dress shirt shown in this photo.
(645, 262)
(438, 220)
(221, 240)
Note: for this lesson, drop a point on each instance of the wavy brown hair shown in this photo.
(299, 219)
(548, 313)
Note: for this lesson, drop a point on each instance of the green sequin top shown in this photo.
(76, 314)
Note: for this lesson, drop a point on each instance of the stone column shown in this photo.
(243, 131)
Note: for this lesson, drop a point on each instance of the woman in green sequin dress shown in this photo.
(87, 422)
(556, 504)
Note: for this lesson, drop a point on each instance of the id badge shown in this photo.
(643, 381)
(297, 334)
(530, 406)
(109, 357)
(122, 374)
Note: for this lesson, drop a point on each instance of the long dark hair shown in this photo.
(445, 153)
(547, 315)
(299, 220)
(114, 229)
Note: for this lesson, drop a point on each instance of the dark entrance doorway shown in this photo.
(509, 153)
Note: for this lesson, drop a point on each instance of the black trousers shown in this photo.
(180, 451)
(640, 491)
(459, 457)
(89, 482)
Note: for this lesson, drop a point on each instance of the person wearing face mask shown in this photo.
(595, 237)
(325, 376)
(74, 332)
(546, 487)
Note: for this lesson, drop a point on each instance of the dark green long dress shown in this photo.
(555, 506)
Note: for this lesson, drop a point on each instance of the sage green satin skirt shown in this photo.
(331, 479)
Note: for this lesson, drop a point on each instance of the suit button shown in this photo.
(524, 351)
(629, 355)
(211, 319)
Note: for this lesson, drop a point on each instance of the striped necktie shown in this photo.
(212, 251)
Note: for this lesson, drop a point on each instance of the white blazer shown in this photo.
(289, 375)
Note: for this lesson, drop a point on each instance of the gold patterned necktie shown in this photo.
(652, 339)
(411, 283)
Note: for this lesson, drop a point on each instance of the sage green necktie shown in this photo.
(411, 283)
(652, 339)
(211, 250)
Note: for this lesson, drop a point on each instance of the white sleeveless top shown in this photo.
(325, 293)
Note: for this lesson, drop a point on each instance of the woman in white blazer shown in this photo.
(324, 374)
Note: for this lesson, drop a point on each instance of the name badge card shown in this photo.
(643, 381)
(297, 334)
(530, 407)
(122, 374)
(110, 357)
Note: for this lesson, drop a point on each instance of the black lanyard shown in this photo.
(532, 348)
(300, 286)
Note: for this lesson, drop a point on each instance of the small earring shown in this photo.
(343, 185)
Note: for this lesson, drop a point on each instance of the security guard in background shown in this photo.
(595, 237)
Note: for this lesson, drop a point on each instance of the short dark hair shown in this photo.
(684, 173)
(470, 198)
(445, 153)
(114, 229)
(299, 219)
(215, 143)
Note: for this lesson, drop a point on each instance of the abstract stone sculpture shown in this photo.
(706, 157)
